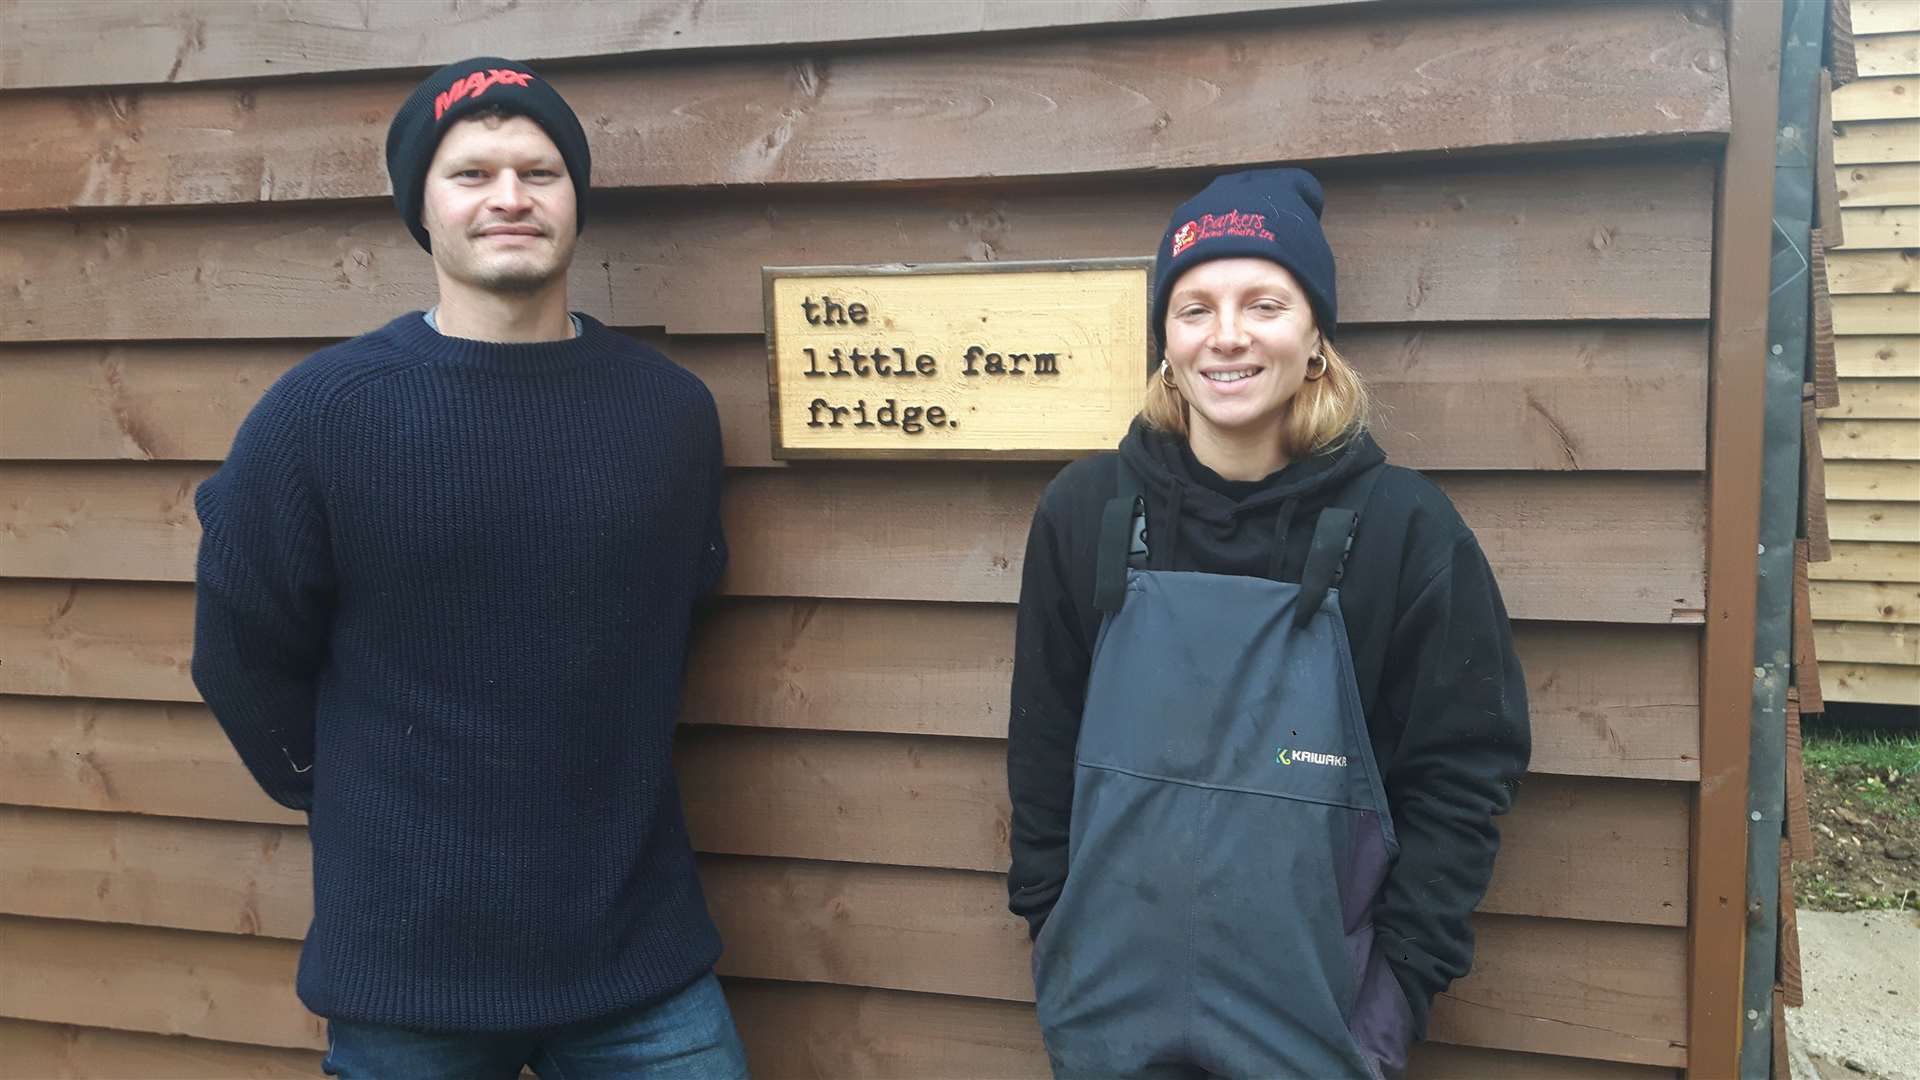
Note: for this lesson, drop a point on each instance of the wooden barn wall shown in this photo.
(1522, 199)
(1867, 597)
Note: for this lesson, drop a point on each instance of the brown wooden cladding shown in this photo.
(1806, 664)
(878, 927)
(118, 42)
(1524, 318)
(1611, 850)
(1716, 929)
(1603, 990)
(1441, 1061)
(1840, 55)
(40, 1051)
(1626, 240)
(100, 640)
(1452, 397)
(1605, 700)
(130, 757)
(1172, 99)
(827, 1031)
(1617, 548)
(1826, 187)
(1606, 547)
(1813, 474)
(814, 1031)
(212, 986)
(1826, 379)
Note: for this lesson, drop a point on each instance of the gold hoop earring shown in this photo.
(1166, 375)
(1312, 373)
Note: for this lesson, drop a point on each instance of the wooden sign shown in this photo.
(1030, 360)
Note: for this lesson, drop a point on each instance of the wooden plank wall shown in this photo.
(1522, 199)
(1866, 600)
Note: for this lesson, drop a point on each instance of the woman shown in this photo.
(1265, 701)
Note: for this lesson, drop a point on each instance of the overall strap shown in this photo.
(1332, 540)
(1123, 536)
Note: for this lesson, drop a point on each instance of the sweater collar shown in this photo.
(411, 333)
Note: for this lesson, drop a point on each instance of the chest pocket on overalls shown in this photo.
(1226, 681)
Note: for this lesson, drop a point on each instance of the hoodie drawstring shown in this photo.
(1168, 552)
(1281, 529)
(1163, 539)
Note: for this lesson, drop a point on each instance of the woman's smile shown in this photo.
(1230, 380)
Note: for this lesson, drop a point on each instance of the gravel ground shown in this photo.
(1861, 971)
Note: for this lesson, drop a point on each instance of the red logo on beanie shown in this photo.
(476, 84)
(1184, 239)
(1213, 226)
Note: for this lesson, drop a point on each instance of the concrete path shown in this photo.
(1862, 978)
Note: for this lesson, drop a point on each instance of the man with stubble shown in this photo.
(445, 589)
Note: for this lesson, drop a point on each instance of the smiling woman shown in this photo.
(1217, 715)
(1243, 351)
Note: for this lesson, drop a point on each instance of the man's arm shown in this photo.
(264, 600)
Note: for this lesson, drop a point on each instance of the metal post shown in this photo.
(1803, 33)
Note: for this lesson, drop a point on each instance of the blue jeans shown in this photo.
(689, 1036)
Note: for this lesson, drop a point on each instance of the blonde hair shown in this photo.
(1323, 413)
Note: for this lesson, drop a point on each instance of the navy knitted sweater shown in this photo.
(444, 595)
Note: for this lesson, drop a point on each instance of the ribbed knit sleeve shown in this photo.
(264, 598)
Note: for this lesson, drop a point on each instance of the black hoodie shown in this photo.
(1445, 701)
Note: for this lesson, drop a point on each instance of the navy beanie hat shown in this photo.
(469, 86)
(1261, 213)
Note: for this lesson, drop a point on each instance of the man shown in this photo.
(444, 595)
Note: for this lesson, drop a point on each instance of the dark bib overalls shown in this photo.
(1230, 833)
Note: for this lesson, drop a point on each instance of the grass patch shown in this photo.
(1880, 768)
(1866, 749)
(1863, 798)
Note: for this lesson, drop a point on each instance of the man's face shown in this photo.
(499, 205)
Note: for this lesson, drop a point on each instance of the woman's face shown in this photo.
(1239, 335)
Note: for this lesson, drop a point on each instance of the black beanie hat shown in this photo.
(1263, 213)
(468, 86)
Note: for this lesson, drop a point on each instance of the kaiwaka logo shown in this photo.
(1286, 755)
